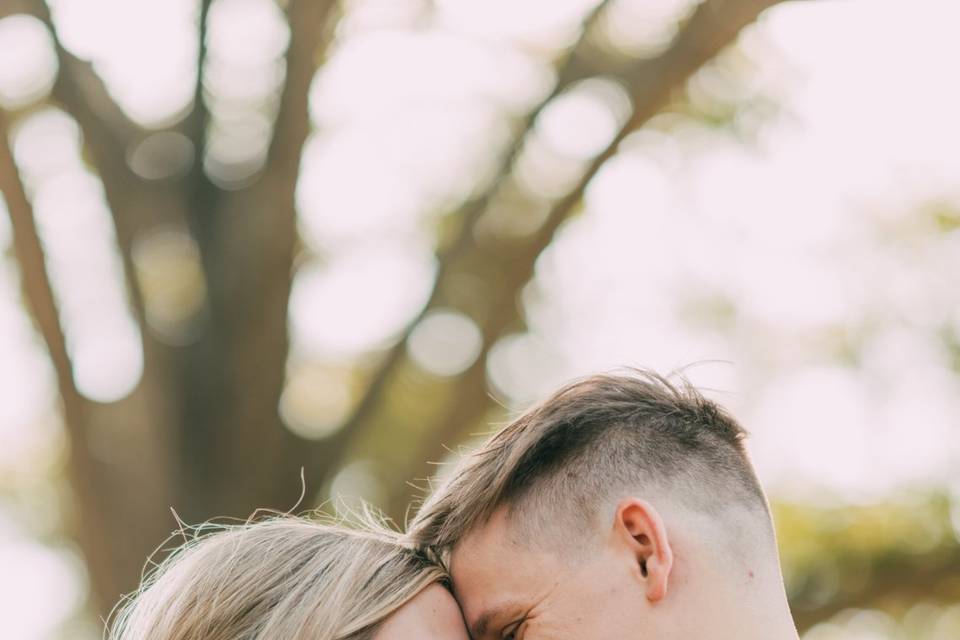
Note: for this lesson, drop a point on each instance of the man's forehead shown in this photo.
(489, 594)
(485, 566)
(482, 548)
(493, 571)
(487, 546)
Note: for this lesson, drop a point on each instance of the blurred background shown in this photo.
(244, 238)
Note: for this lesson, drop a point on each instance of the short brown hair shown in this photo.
(594, 437)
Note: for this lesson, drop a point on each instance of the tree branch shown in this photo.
(195, 124)
(40, 299)
(18, 7)
(258, 247)
(651, 83)
(37, 289)
(107, 133)
(203, 194)
(574, 67)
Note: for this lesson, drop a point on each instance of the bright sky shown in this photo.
(769, 258)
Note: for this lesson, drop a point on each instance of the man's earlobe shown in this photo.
(649, 543)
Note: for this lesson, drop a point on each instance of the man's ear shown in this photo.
(639, 526)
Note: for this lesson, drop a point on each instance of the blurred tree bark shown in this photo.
(201, 434)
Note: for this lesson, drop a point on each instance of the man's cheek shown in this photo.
(584, 625)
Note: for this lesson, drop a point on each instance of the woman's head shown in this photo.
(294, 578)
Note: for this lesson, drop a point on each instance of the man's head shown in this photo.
(624, 506)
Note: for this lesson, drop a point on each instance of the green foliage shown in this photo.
(888, 555)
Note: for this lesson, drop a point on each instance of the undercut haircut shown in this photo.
(561, 465)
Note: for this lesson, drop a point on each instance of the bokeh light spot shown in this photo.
(445, 342)
(582, 121)
(247, 30)
(361, 300)
(355, 482)
(315, 400)
(108, 364)
(44, 143)
(643, 28)
(82, 257)
(28, 66)
(171, 279)
(162, 156)
(47, 586)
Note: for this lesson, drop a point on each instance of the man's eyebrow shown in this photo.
(481, 627)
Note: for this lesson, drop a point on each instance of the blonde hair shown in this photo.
(291, 577)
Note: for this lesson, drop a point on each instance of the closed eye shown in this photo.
(512, 632)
